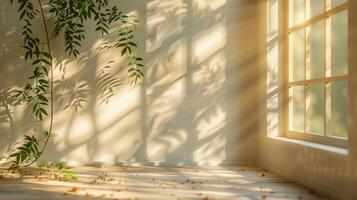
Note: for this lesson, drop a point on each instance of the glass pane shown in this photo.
(297, 56)
(316, 7)
(338, 122)
(296, 12)
(315, 109)
(339, 44)
(297, 108)
(317, 50)
(335, 3)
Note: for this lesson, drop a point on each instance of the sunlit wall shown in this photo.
(193, 107)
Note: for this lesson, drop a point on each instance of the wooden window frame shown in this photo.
(286, 31)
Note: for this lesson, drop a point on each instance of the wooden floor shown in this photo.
(144, 182)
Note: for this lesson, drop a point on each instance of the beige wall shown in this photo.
(210, 95)
(197, 103)
(325, 169)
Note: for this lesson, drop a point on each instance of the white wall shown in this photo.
(197, 103)
(327, 170)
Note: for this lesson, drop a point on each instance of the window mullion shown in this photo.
(325, 70)
(287, 67)
(306, 70)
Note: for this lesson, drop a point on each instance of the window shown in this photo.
(317, 70)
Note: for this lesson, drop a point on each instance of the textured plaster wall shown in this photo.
(197, 103)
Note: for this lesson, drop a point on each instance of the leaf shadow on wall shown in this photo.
(184, 112)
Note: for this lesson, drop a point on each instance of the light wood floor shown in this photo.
(144, 182)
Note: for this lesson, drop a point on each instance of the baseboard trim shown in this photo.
(167, 163)
(318, 188)
(227, 163)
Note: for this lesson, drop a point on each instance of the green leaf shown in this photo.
(133, 44)
(42, 110)
(42, 98)
(40, 116)
(18, 93)
(28, 138)
(43, 81)
(124, 51)
(36, 61)
(47, 55)
(13, 155)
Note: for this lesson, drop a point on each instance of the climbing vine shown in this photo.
(67, 18)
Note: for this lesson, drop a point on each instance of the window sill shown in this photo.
(332, 149)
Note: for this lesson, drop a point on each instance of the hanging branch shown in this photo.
(68, 17)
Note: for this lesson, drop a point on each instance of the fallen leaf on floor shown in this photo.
(263, 189)
(262, 174)
(74, 189)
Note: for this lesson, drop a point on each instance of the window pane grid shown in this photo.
(307, 22)
(317, 87)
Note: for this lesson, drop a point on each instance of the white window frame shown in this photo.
(286, 31)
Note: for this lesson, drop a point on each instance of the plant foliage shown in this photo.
(68, 18)
(58, 172)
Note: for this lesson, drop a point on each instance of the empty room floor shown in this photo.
(151, 182)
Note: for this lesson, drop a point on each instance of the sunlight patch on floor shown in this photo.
(150, 182)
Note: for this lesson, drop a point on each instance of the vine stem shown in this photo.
(51, 78)
(51, 85)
